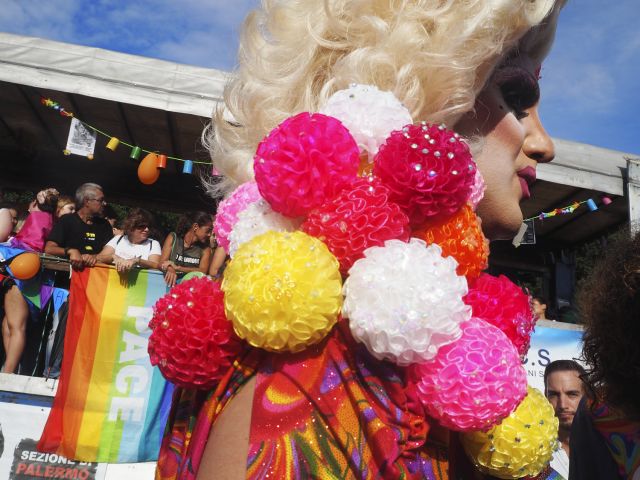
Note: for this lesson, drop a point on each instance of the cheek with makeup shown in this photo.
(500, 118)
(503, 136)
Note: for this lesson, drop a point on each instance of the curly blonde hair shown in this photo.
(434, 55)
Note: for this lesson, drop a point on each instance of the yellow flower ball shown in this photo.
(283, 291)
(522, 445)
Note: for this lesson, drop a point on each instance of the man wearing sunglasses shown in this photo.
(82, 235)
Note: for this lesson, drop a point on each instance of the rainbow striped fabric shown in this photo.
(111, 404)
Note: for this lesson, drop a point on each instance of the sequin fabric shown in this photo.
(329, 412)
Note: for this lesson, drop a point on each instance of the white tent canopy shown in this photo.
(108, 75)
(192, 90)
(579, 171)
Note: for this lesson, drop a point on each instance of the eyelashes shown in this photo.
(518, 87)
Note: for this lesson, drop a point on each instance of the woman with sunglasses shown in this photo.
(134, 247)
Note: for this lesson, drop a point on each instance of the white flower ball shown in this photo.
(404, 301)
(369, 114)
(256, 219)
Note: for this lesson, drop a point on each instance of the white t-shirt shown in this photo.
(127, 250)
(560, 462)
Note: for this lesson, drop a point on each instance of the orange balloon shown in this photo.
(148, 172)
(25, 265)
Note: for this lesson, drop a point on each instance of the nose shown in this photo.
(537, 144)
(562, 402)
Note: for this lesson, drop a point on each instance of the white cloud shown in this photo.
(39, 18)
(584, 88)
(199, 32)
(593, 67)
(198, 48)
(629, 52)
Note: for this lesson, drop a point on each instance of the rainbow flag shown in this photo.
(111, 404)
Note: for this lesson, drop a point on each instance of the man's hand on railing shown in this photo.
(75, 258)
(89, 260)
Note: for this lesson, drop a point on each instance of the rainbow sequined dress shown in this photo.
(331, 411)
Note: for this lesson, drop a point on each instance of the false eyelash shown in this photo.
(519, 88)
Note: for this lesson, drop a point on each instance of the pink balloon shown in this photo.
(6, 224)
(230, 208)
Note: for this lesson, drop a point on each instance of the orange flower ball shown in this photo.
(460, 237)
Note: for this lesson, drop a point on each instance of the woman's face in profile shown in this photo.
(506, 119)
(203, 232)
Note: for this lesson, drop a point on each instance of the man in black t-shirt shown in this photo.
(81, 235)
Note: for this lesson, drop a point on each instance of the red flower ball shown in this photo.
(500, 302)
(460, 237)
(305, 161)
(192, 341)
(428, 169)
(360, 217)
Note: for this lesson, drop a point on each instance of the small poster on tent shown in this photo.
(21, 426)
(29, 463)
(81, 140)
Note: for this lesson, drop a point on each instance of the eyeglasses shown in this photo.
(99, 200)
(142, 227)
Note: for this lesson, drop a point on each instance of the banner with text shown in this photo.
(550, 343)
(111, 404)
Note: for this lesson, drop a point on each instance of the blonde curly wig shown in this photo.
(434, 55)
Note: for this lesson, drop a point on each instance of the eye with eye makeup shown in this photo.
(519, 88)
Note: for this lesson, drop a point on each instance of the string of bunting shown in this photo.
(565, 210)
(150, 166)
(527, 233)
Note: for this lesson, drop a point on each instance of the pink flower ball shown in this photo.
(428, 169)
(477, 191)
(305, 161)
(192, 342)
(230, 208)
(502, 303)
(360, 217)
(473, 383)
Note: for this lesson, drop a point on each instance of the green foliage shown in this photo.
(588, 254)
(19, 198)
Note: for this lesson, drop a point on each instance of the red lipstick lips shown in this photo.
(527, 177)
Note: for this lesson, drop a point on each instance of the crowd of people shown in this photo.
(86, 232)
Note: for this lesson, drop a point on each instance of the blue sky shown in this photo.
(589, 82)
